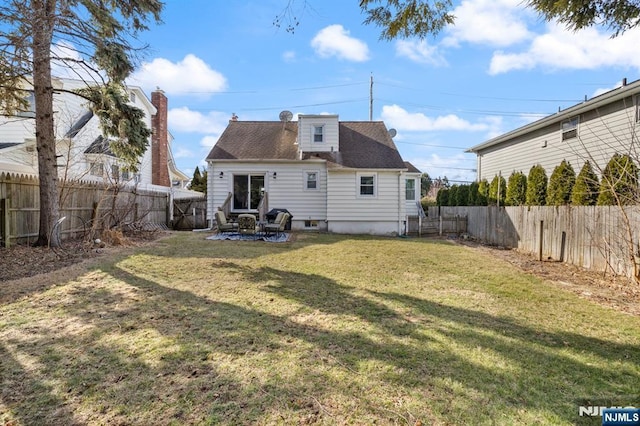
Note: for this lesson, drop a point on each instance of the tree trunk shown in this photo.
(43, 14)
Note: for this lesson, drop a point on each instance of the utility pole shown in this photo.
(371, 99)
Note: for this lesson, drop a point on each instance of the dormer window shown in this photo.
(318, 133)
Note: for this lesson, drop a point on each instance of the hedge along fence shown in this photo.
(592, 237)
(88, 208)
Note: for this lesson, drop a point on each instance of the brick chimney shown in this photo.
(159, 140)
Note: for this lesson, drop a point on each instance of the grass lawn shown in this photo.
(325, 329)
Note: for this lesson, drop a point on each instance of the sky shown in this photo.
(499, 67)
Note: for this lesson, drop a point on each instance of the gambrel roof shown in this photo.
(363, 144)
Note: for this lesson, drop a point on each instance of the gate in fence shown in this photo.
(189, 213)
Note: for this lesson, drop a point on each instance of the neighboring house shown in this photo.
(331, 175)
(593, 130)
(82, 149)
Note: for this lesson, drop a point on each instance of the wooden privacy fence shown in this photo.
(87, 208)
(594, 237)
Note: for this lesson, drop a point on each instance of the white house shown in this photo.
(593, 130)
(331, 175)
(83, 151)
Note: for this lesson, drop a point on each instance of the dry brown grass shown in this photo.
(323, 330)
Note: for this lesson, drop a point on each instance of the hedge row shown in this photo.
(619, 185)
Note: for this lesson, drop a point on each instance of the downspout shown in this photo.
(400, 230)
(326, 197)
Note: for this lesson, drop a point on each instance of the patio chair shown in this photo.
(223, 225)
(277, 227)
(247, 225)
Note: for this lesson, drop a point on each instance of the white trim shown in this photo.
(322, 133)
(305, 180)
(359, 193)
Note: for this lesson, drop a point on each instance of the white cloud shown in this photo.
(492, 22)
(334, 40)
(420, 52)
(181, 153)
(458, 167)
(289, 56)
(209, 141)
(188, 121)
(67, 62)
(403, 120)
(602, 90)
(559, 48)
(191, 74)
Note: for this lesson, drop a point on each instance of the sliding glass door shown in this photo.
(247, 191)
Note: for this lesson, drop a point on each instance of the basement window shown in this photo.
(570, 128)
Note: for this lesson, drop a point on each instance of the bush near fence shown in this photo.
(592, 237)
(88, 208)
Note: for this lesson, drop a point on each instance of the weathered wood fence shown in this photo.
(190, 213)
(600, 238)
(85, 207)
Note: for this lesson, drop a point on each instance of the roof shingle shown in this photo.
(363, 144)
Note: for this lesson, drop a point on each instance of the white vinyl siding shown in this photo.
(610, 129)
(307, 125)
(344, 202)
(285, 192)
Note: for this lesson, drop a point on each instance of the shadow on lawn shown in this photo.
(547, 377)
(195, 335)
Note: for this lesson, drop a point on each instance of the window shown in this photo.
(637, 99)
(132, 97)
(115, 172)
(318, 133)
(311, 181)
(410, 190)
(30, 111)
(247, 191)
(125, 175)
(311, 224)
(367, 185)
(96, 169)
(570, 128)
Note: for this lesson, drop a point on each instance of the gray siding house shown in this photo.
(593, 130)
(331, 175)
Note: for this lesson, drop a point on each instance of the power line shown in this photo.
(467, 95)
(434, 146)
(302, 106)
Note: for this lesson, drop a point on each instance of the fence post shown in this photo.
(540, 240)
(169, 210)
(440, 230)
(5, 204)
